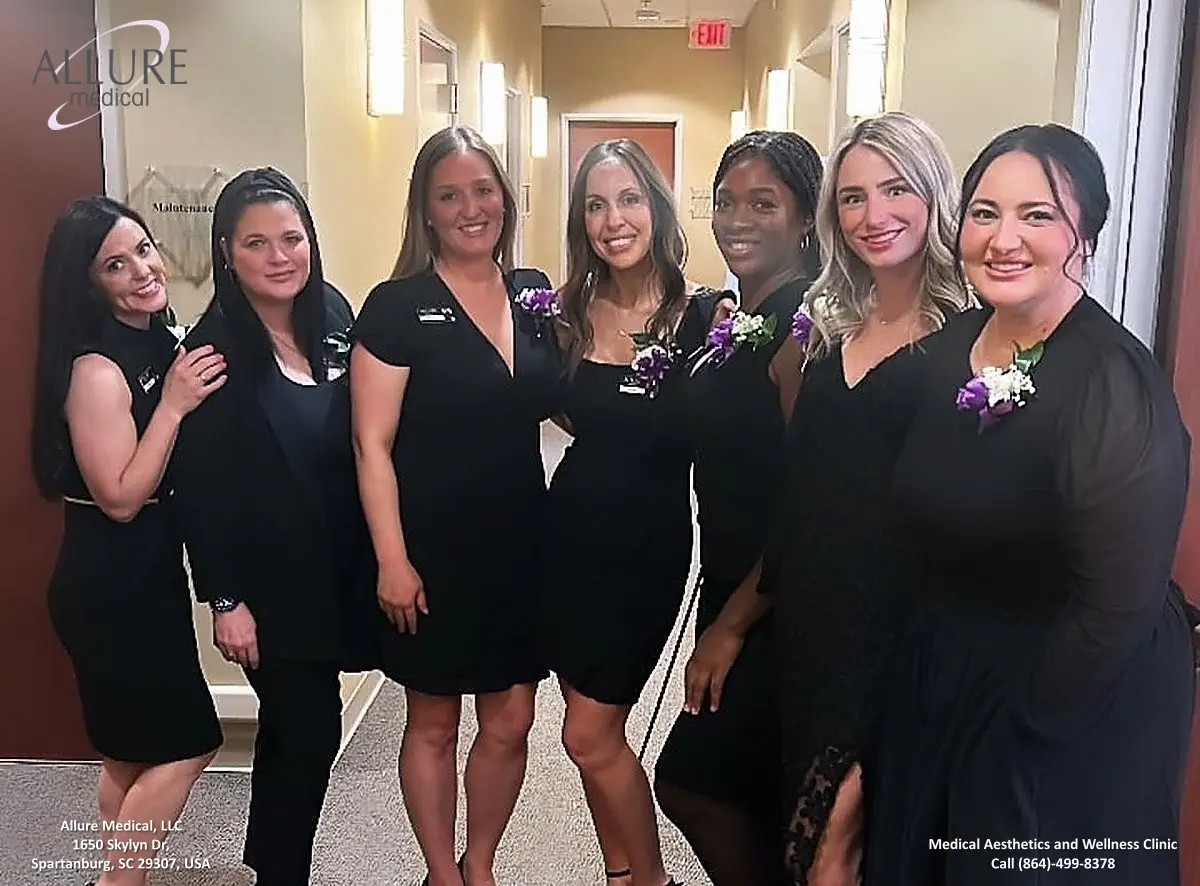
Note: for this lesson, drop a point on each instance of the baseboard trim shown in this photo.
(235, 702)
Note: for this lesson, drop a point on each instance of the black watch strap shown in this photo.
(223, 604)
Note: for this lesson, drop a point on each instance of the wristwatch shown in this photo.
(224, 604)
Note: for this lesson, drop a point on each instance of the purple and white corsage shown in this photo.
(997, 391)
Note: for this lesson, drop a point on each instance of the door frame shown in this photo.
(632, 119)
(1126, 84)
(426, 31)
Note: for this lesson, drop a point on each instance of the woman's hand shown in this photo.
(711, 661)
(236, 635)
(723, 309)
(192, 377)
(401, 594)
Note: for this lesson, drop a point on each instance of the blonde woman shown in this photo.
(450, 382)
(840, 567)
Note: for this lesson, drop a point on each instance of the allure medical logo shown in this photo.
(114, 77)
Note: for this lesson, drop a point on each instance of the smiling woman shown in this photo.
(451, 382)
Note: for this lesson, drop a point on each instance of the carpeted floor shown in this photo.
(364, 837)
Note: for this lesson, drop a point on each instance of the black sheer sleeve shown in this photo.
(1122, 477)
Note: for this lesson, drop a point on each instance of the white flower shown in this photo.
(1005, 385)
(746, 325)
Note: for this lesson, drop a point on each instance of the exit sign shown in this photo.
(710, 33)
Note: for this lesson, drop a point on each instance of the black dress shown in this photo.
(618, 537)
(472, 483)
(1044, 691)
(843, 573)
(119, 598)
(732, 754)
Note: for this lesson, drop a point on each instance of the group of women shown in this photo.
(939, 493)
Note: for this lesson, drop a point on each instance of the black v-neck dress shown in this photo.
(843, 570)
(471, 481)
(1043, 694)
(119, 598)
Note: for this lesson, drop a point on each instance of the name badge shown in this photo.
(436, 315)
(148, 379)
(633, 387)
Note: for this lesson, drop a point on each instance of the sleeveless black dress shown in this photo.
(618, 535)
(120, 601)
(732, 754)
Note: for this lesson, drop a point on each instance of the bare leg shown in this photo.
(429, 781)
(494, 776)
(839, 851)
(116, 778)
(608, 834)
(158, 794)
(594, 736)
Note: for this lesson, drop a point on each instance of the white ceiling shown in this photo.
(620, 13)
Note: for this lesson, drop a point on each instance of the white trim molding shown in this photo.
(565, 160)
(1127, 85)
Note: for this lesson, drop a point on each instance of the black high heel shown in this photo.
(617, 875)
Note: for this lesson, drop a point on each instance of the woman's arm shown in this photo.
(120, 470)
(1122, 480)
(377, 393)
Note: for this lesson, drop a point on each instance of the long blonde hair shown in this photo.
(585, 269)
(842, 295)
(420, 245)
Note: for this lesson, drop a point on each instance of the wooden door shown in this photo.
(1179, 344)
(41, 170)
(657, 138)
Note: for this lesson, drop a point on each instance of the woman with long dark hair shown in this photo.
(718, 775)
(112, 389)
(618, 540)
(276, 539)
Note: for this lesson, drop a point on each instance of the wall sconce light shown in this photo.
(739, 124)
(493, 103)
(779, 99)
(867, 63)
(385, 57)
(539, 126)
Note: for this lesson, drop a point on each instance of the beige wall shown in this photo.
(775, 34)
(242, 104)
(648, 71)
(359, 165)
(973, 68)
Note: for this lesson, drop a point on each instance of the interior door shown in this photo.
(41, 170)
(657, 138)
(438, 84)
(1179, 342)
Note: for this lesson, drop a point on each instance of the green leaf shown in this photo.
(642, 339)
(1026, 360)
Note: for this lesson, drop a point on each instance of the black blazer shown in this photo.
(256, 531)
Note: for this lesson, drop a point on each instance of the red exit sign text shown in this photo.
(710, 33)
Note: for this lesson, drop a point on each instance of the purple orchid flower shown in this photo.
(802, 326)
(973, 395)
(651, 364)
(720, 340)
(540, 302)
